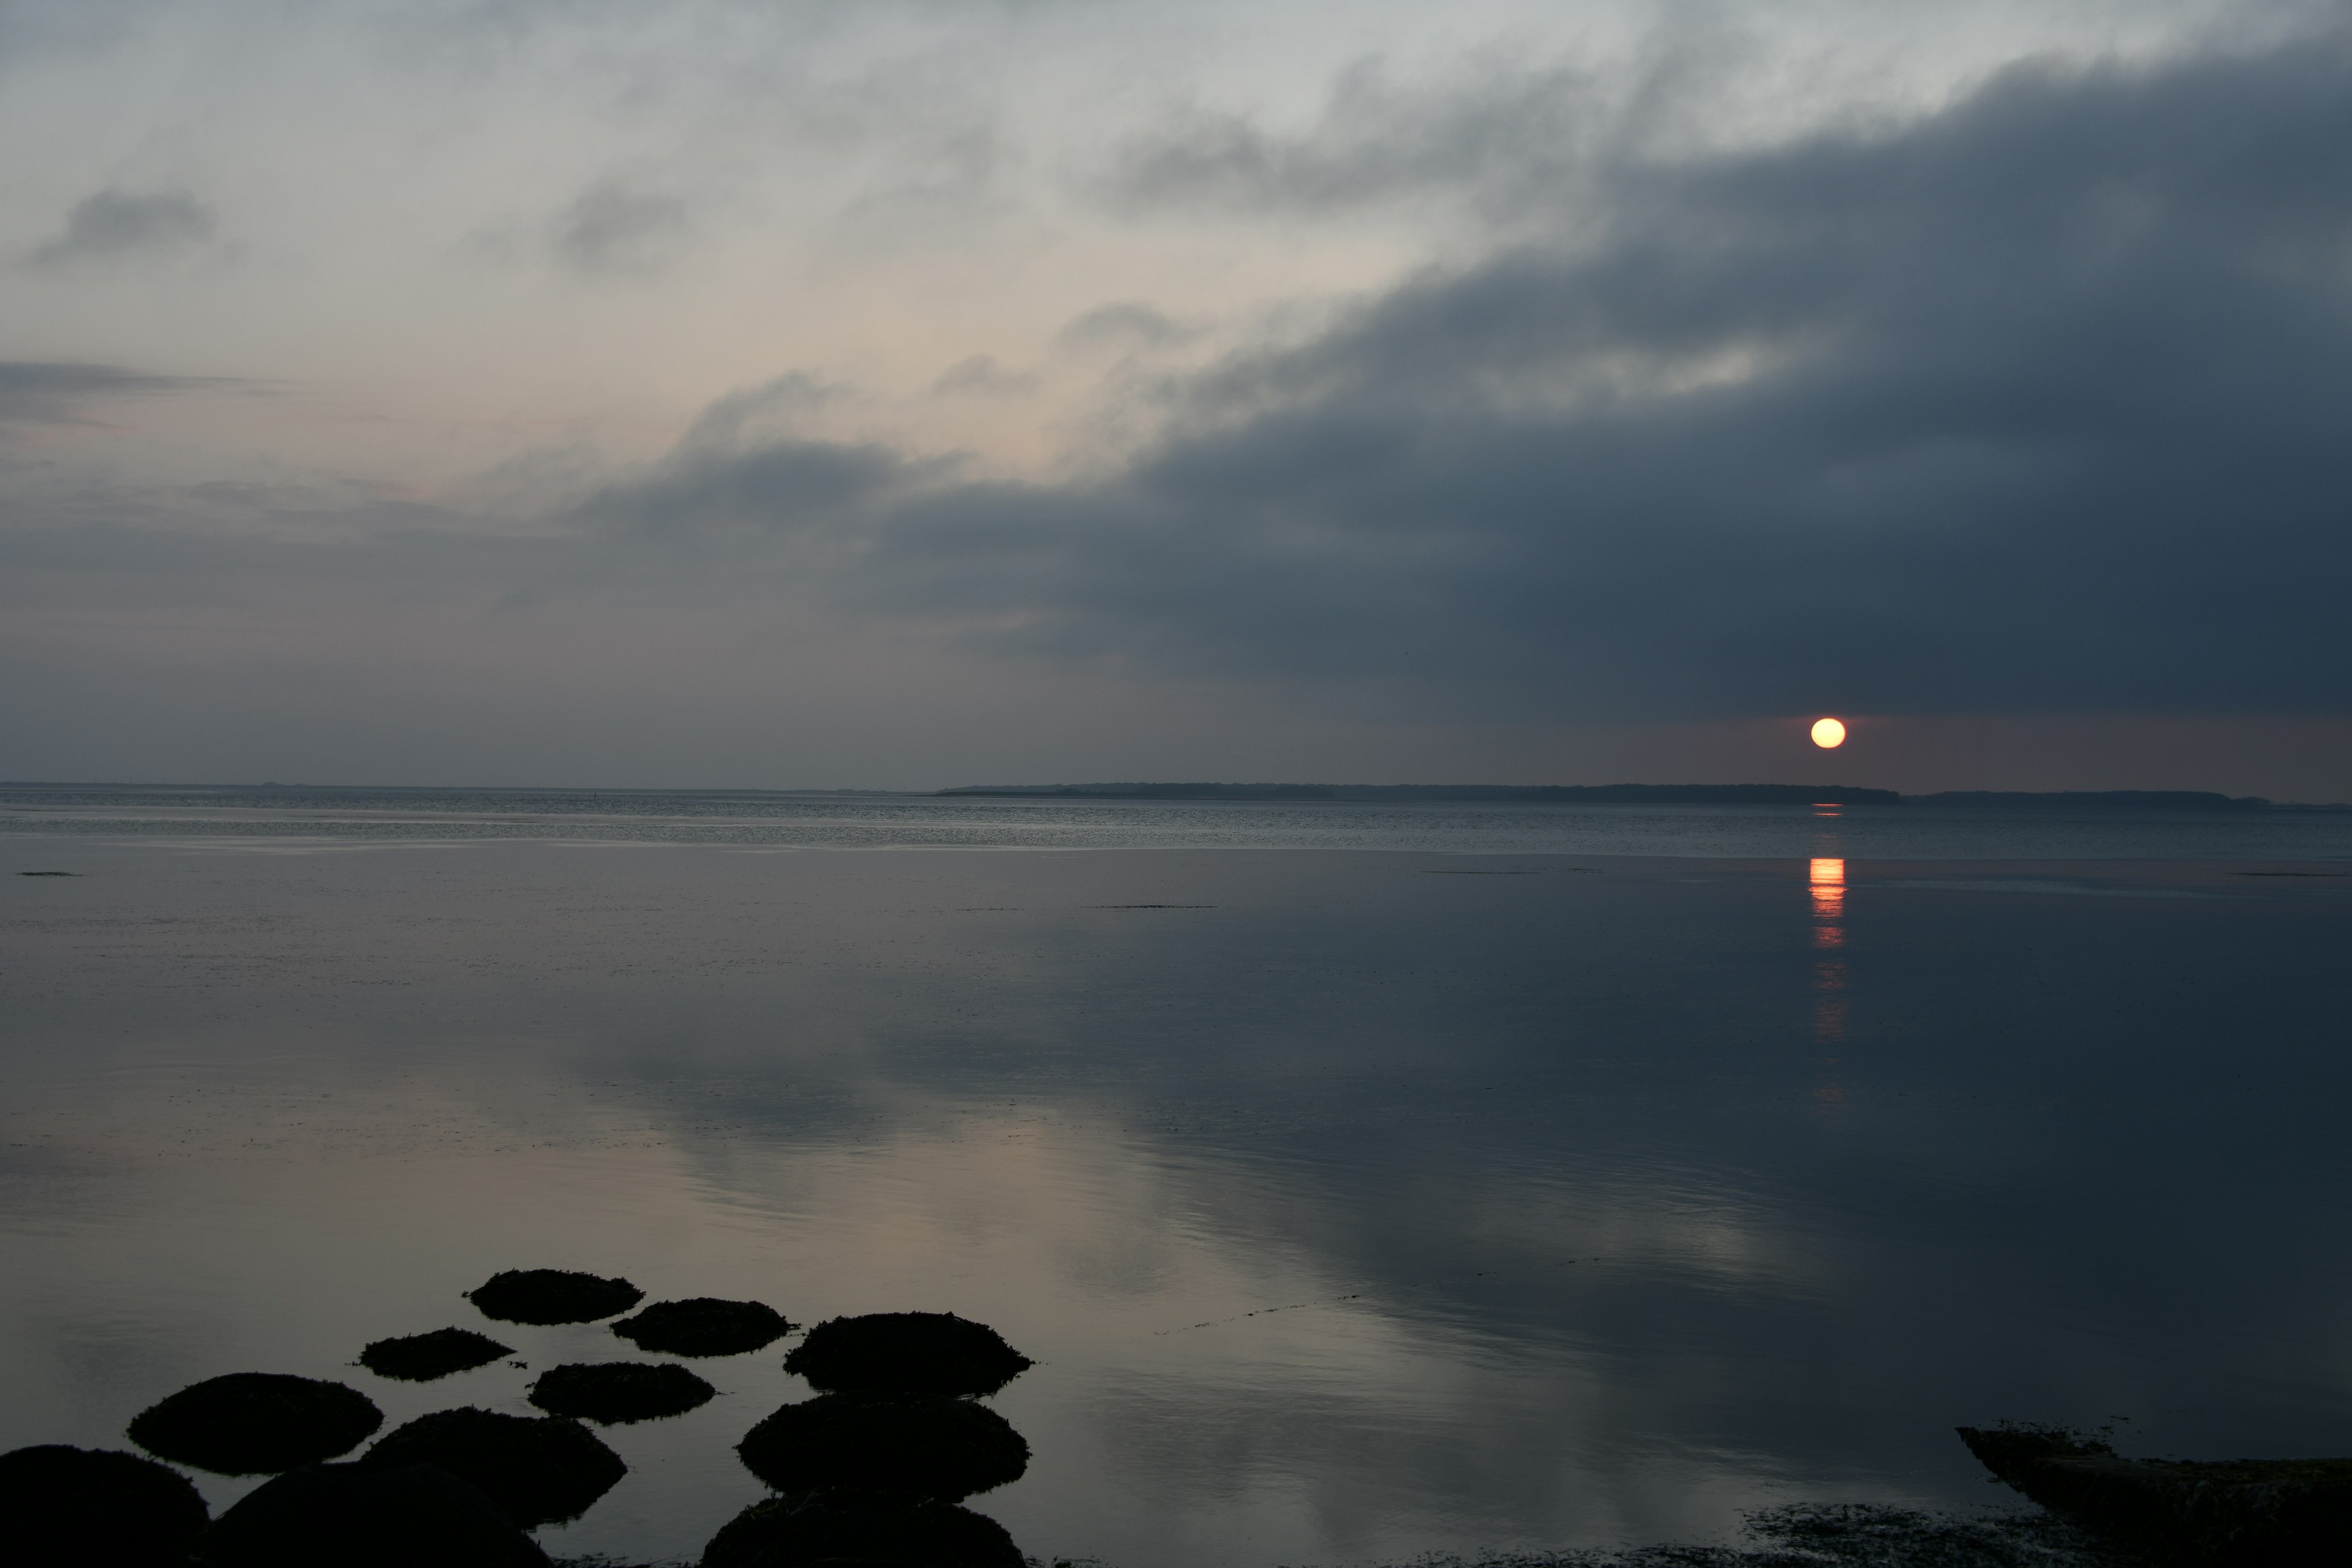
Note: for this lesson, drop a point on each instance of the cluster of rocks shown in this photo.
(873, 1469)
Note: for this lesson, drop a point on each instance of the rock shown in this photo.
(537, 1468)
(255, 1423)
(704, 1326)
(859, 1527)
(619, 1391)
(421, 1358)
(552, 1296)
(366, 1516)
(96, 1508)
(924, 1445)
(2230, 1513)
(906, 1353)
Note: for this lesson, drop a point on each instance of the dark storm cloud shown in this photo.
(111, 225)
(40, 393)
(2033, 403)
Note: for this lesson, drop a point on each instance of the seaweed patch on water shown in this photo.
(362, 1516)
(906, 1353)
(860, 1527)
(255, 1423)
(537, 1468)
(924, 1445)
(705, 1326)
(545, 1296)
(99, 1508)
(618, 1391)
(1848, 1535)
(421, 1358)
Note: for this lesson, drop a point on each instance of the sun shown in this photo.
(1828, 733)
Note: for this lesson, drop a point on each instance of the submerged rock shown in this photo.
(923, 1445)
(552, 1296)
(704, 1326)
(906, 1353)
(2230, 1513)
(95, 1507)
(617, 1391)
(366, 1516)
(421, 1358)
(255, 1423)
(859, 1527)
(537, 1468)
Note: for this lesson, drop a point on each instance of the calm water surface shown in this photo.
(1472, 1182)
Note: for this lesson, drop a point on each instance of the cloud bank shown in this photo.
(2030, 404)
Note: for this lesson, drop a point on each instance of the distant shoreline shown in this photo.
(1654, 794)
(327, 795)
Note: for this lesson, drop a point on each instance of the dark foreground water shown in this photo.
(1356, 1204)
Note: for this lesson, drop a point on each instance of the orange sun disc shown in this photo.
(1827, 732)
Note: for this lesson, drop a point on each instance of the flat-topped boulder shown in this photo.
(255, 1423)
(95, 1507)
(2226, 1513)
(923, 1445)
(421, 1358)
(619, 1391)
(906, 1353)
(859, 1527)
(552, 1296)
(704, 1326)
(537, 1470)
(366, 1516)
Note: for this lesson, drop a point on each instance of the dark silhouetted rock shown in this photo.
(704, 1325)
(95, 1507)
(552, 1296)
(421, 1358)
(906, 1353)
(366, 1516)
(925, 1445)
(255, 1423)
(2230, 1513)
(619, 1391)
(859, 1527)
(536, 1469)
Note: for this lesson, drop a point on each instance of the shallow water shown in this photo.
(1355, 1204)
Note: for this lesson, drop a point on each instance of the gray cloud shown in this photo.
(982, 374)
(40, 393)
(610, 227)
(2029, 404)
(113, 225)
(1124, 323)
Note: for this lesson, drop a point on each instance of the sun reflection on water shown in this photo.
(1826, 880)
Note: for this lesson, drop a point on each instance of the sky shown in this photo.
(914, 392)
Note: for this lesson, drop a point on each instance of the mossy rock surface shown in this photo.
(2229, 1513)
(421, 1358)
(617, 1391)
(906, 1353)
(923, 1445)
(95, 1507)
(859, 1527)
(366, 1516)
(552, 1296)
(255, 1423)
(537, 1470)
(704, 1326)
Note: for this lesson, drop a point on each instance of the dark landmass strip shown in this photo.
(1597, 794)
(1658, 794)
